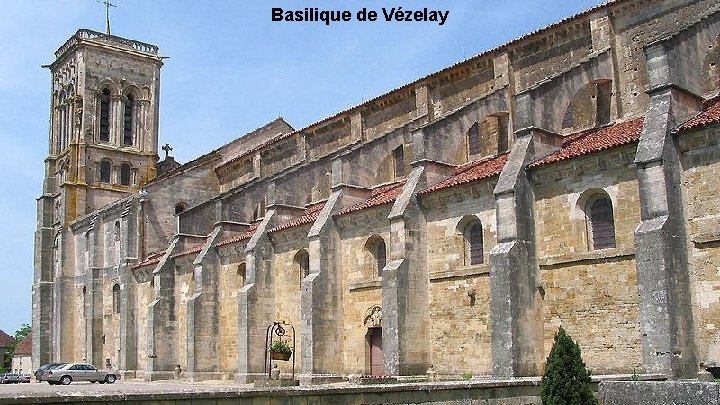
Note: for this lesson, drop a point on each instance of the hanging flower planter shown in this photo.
(284, 356)
(280, 350)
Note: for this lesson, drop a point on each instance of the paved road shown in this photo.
(119, 388)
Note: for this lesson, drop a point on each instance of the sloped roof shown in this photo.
(380, 195)
(196, 249)
(25, 346)
(472, 171)
(152, 259)
(309, 216)
(595, 140)
(245, 235)
(5, 339)
(709, 115)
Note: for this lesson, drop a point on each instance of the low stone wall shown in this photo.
(659, 393)
(515, 392)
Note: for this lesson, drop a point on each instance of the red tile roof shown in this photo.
(190, 251)
(472, 171)
(245, 235)
(380, 195)
(709, 115)
(25, 346)
(595, 140)
(309, 216)
(5, 339)
(152, 259)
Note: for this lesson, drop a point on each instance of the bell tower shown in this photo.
(102, 146)
(104, 120)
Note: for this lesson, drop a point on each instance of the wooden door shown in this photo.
(376, 353)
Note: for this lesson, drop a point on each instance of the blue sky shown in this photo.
(230, 70)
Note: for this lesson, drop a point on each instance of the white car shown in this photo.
(79, 372)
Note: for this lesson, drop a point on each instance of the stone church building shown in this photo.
(567, 178)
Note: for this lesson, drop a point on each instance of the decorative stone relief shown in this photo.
(373, 317)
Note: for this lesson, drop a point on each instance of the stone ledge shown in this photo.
(663, 392)
(702, 239)
(593, 255)
(468, 271)
(366, 284)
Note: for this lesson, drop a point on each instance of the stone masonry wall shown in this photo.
(230, 281)
(562, 191)
(459, 292)
(702, 171)
(593, 294)
(286, 279)
(361, 284)
(597, 304)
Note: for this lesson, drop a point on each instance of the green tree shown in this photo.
(566, 380)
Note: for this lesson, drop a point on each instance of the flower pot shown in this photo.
(280, 356)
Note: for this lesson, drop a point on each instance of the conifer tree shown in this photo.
(566, 380)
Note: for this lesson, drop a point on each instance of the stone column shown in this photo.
(515, 303)
(405, 284)
(202, 312)
(661, 244)
(256, 304)
(161, 322)
(128, 255)
(42, 289)
(320, 308)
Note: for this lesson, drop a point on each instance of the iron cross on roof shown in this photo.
(107, 5)
(167, 148)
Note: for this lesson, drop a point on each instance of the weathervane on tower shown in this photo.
(107, 5)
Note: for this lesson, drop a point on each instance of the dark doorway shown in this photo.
(376, 352)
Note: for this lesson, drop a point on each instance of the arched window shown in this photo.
(125, 172)
(242, 274)
(62, 121)
(116, 298)
(567, 121)
(601, 223)
(116, 231)
(128, 119)
(105, 116)
(473, 235)
(399, 161)
(380, 256)
(302, 258)
(473, 139)
(105, 167)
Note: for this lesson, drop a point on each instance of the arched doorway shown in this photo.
(375, 357)
(375, 351)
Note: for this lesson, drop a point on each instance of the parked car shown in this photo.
(70, 372)
(13, 378)
(24, 378)
(39, 373)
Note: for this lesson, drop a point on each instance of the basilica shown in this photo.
(566, 178)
